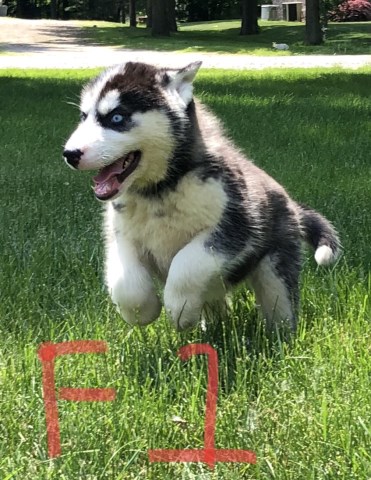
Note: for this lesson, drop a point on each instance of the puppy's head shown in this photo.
(127, 125)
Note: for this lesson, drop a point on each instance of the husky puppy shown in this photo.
(183, 205)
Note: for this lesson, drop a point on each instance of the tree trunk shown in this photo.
(149, 13)
(53, 9)
(198, 10)
(92, 9)
(249, 24)
(120, 12)
(160, 24)
(65, 13)
(133, 13)
(21, 8)
(171, 18)
(313, 32)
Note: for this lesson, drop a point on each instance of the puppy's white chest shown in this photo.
(162, 227)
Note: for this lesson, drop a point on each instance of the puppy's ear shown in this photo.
(181, 80)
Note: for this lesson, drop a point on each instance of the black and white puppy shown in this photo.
(183, 204)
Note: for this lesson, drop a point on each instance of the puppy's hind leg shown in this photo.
(277, 290)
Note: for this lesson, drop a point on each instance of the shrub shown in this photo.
(352, 11)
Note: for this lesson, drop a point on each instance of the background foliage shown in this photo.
(190, 10)
(351, 11)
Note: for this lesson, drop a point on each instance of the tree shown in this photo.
(92, 9)
(198, 10)
(160, 23)
(132, 13)
(64, 10)
(53, 9)
(171, 15)
(249, 24)
(25, 9)
(313, 32)
(120, 12)
(149, 13)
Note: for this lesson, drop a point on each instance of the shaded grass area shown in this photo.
(304, 409)
(223, 37)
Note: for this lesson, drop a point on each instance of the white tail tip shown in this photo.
(324, 255)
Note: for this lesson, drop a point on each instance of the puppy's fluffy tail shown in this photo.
(318, 232)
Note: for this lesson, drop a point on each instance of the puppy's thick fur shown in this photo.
(183, 205)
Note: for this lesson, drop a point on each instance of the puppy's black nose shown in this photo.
(72, 157)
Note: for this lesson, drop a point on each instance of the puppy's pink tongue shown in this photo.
(106, 183)
(107, 172)
(107, 188)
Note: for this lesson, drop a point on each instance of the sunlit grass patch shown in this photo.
(304, 408)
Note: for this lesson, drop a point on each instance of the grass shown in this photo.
(223, 37)
(305, 409)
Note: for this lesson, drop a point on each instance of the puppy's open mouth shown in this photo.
(109, 179)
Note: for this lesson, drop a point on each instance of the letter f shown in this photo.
(47, 353)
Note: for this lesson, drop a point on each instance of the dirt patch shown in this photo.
(18, 36)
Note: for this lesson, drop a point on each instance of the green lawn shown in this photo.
(223, 37)
(305, 409)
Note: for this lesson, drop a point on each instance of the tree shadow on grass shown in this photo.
(341, 39)
(228, 40)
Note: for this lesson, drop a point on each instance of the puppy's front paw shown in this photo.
(141, 314)
(136, 309)
(184, 312)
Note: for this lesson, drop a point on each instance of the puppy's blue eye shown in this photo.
(117, 118)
